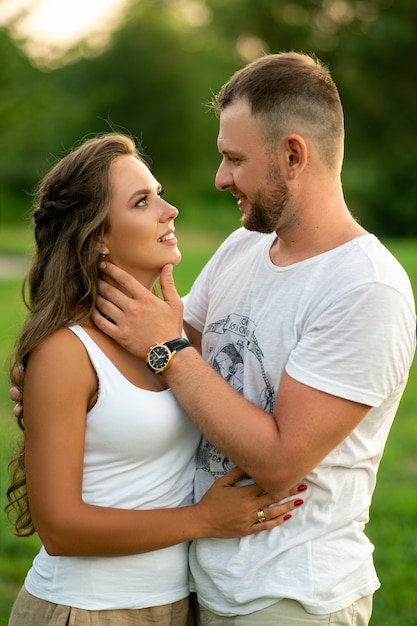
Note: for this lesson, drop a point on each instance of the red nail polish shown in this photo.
(298, 502)
(301, 487)
(287, 516)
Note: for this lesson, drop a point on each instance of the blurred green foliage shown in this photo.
(160, 67)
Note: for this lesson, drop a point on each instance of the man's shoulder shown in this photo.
(380, 265)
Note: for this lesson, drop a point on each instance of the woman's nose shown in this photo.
(171, 211)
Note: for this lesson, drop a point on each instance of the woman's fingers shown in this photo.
(270, 515)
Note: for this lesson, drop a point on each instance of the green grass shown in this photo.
(14, 556)
(16, 240)
(393, 525)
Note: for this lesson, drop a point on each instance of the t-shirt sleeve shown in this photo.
(358, 348)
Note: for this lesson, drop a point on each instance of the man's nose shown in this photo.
(223, 179)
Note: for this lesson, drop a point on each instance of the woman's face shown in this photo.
(141, 238)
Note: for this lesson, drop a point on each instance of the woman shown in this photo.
(106, 469)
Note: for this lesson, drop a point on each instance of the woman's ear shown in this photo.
(102, 249)
(295, 154)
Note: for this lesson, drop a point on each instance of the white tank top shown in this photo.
(139, 454)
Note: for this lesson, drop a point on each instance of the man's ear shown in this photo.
(295, 155)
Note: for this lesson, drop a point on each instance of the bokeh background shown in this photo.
(149, 67)
(73, 68)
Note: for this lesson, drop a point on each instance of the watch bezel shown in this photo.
(168, 357)
(170, 348)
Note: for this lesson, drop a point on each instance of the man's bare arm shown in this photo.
(277, 451)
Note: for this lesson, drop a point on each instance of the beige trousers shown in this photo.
(291, 613)
(31, 611)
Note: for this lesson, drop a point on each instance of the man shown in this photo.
(311, 323)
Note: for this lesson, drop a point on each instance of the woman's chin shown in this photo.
(173, 259)
(179, 257)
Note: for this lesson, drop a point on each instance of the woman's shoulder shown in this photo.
(61, 361)
(60, 347)
(62, 337)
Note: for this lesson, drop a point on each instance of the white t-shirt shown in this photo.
(139, 454)
(342, 322)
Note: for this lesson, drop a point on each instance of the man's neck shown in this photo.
(313, 237)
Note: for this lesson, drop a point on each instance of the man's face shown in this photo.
(248, 171)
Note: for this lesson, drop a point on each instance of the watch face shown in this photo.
(159, 357)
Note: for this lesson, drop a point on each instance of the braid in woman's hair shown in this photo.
(58, 220)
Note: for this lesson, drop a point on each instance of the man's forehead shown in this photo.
(235, 110)
(238, 129)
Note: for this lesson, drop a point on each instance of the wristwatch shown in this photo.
(159, 357)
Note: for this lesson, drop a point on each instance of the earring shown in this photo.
(103, 253)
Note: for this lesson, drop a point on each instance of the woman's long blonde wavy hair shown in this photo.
(70, 218)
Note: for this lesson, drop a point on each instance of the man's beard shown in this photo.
(268, 204)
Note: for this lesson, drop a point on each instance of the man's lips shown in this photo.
(241, 200)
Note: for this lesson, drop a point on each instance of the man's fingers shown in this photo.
(112, 294)
(168, 288)
(124, 280)
(124, 307)
(103, 322)
(115, 273)
(109, 303)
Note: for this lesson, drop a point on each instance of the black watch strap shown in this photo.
(177, 344)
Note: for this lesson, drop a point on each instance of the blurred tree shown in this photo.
(37, 119)
(379, 88)
(371, 49)
(152, 81)
(160, 67)
(17, 78)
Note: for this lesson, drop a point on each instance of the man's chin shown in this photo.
(255, 226)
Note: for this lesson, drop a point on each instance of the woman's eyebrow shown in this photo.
(145, 192)
(139, 192)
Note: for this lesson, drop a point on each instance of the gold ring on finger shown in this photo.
(261, 515)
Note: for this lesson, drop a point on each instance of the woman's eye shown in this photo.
(141, 201)
(161, 193)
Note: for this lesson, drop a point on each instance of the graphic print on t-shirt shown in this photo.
(236, 341)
